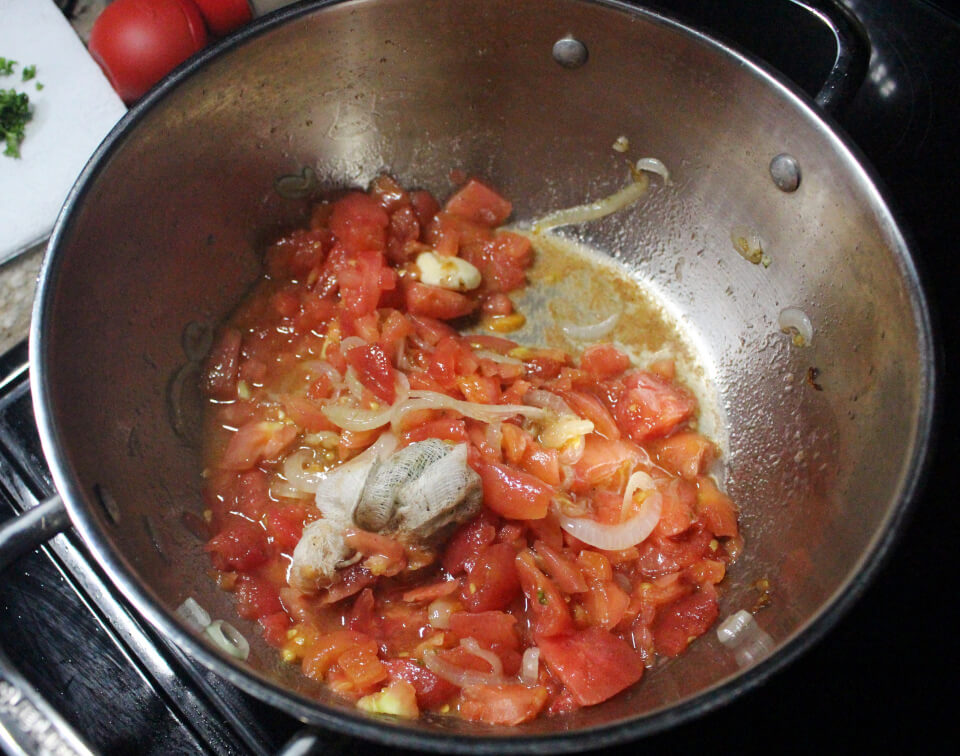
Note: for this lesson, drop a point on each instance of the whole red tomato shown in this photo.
(138, 42)
(223, 16)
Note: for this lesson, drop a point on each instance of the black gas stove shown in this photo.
(881, 679)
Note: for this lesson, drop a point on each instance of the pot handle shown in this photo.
(853, 53)
(28, 724)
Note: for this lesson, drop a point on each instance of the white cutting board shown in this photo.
(71, 115)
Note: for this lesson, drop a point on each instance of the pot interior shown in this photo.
(164, 233)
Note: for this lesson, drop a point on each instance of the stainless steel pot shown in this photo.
(160, 238)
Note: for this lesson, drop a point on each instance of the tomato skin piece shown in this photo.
(594, 664)
(359, 223)
(374, 370)
(508, 704)
(513, 493)
(477, 202)
(492, 582)
(651, 407)
(686, 618)
(602, 459)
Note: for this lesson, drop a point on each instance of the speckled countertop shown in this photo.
(18, 282)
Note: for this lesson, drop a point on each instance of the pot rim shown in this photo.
(387, 732)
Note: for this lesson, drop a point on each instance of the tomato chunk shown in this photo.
(512, 493)
(651, 406)
(682, 621)
(594, 663)
(359, 223)
(477, 202)
(492, 581)
(374, 371)
(508, 704)
(435, 302)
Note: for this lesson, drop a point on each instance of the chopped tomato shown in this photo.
(592, 409)
(432, 691)
(513, 493)
(435, 302)
(492, 581)
(685, 453)
(488, 628)
(424, 205)
(256, 597)
(603, 459)
(565, 572)
(306, 413)
(682, 621)
(255, 441)
(362, 280)
(479, 203)
(605, 604)
(274, 628)
(715, 508)
(544, 601)
(679, 499)
(465, 545)
(651, 407)
(374, 371)
(508, 704)
(240, 547)
(594, 664)
(285, 524)
(604, 361)
(359, 223)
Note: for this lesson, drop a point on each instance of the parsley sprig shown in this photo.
(14, 108)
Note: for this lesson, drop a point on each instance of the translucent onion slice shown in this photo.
(795, 321)
(193, 614)
(653, 165)
(228, 639)
(298, 477)
(547, 400)
(594, 210)
(625, 534)
(439, 611)
(593, 331)
(471, 645)
(458, 675)
(530, 666)
(488, 354)
(487, 413)
(356, 419)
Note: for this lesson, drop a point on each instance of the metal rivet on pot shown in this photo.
(570, 52)
(785, 171)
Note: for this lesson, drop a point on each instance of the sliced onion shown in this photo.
(356, 419)
(530, 666)
(593, 210)
(488, 354)
(592, 332)
(750, 642)
(547, 400)
(353, 384)
(193, 614)
(653, 165)
(638, 481)
(350, 342)
(227, 638)
(299, 478)
(487, 413)
(458, 675)
(617, 537)
(795, 321)
(496, 666)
